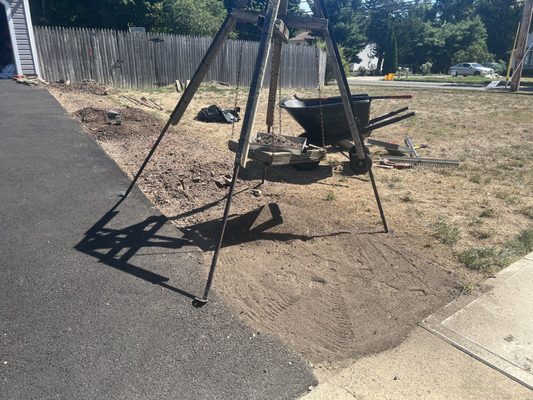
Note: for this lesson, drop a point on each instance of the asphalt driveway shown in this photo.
(95, 302)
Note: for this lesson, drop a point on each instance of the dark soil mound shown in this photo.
(133, 122)
(86, 87)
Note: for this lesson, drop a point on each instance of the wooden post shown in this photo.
(257, 84)
(276, 67)
(521, 45)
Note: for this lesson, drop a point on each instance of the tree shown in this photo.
(390, 64)
(501, 18)
(349, 26)
(454, 10)
(115, 14)
(187, 17)
(445, 44)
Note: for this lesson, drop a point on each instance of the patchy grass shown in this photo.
(489, 198)
(489, 259)
(465, 80)
(481, 258)
(330, 196)
(446, 232)
(522, 244)
(466, 288)
(507, 198)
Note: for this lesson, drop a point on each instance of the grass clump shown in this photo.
(521, 244)
(507, 198)
(480, 258)
(490, 258)
(330, 196)
(446, 232)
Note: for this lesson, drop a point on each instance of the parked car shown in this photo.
(497, 67)
(466, 69)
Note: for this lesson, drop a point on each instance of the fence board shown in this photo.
(131, 60)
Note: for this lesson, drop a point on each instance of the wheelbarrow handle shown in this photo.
(387, 122)
(395, 97)
(388, 115)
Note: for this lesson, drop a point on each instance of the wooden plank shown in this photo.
(308, 23)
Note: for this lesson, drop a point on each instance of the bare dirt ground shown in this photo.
(305, 257)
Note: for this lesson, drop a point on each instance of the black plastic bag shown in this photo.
(216, 114)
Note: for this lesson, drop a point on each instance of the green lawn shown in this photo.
(468, 80)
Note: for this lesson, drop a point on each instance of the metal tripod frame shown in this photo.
(274, 31)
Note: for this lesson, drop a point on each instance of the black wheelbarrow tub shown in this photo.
(307, 113)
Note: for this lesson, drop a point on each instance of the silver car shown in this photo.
(466, 69)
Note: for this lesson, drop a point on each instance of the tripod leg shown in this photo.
(264, 174)
(199, 302)
(349, 109)
(257, 83)
(199, 75)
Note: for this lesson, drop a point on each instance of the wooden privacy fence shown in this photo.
(148, 60)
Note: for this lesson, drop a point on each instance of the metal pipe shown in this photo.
(257, 83)
(385, 116)
(391, 121)
(378, 200)
(179, 110)
(199, 302)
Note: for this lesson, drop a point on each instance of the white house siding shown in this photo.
(19, 15)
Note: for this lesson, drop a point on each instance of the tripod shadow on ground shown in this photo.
(116, 247)
(245, 228)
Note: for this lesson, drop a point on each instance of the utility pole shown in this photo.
(521, 44)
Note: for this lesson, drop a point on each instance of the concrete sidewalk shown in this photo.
(474, 348)
(95, 303)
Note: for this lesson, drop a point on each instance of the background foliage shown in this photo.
(442, 32)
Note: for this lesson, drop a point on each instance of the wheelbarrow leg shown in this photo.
(378, 200)
(265, 166)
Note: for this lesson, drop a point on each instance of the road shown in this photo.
(377, 81)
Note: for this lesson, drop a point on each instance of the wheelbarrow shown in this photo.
(325, 124)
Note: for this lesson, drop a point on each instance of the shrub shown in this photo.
(426, 68)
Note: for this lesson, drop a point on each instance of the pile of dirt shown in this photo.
(330, 292)
(186, 172)
(275, 140)
(133, 122)
(84, 88)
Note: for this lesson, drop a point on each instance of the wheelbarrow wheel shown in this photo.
(360, 166)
